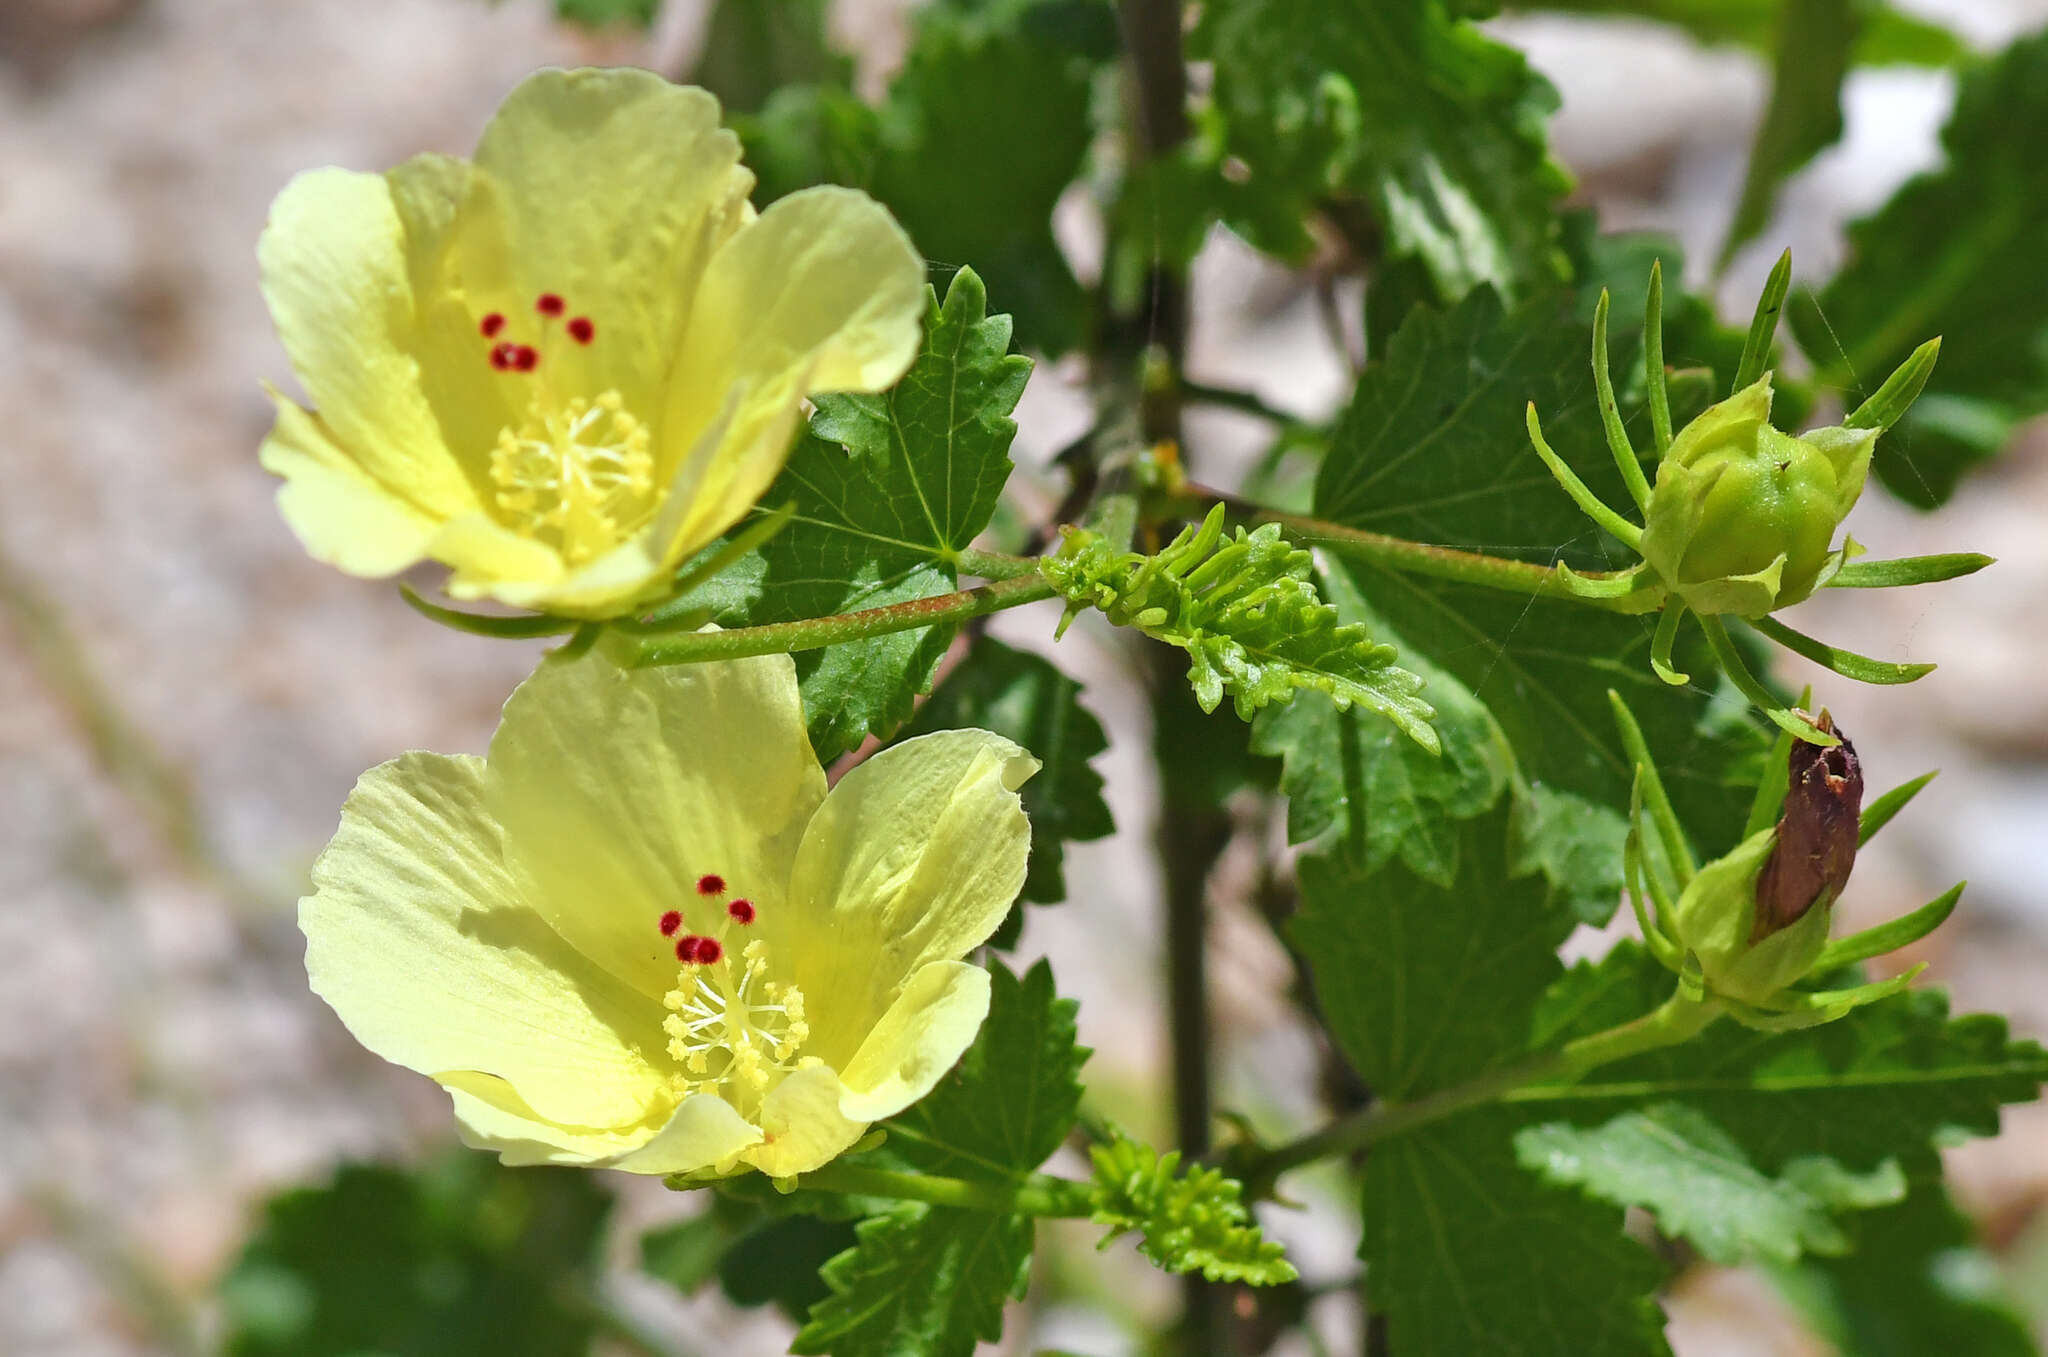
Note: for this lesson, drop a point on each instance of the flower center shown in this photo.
(732, 1027)
(577, 474)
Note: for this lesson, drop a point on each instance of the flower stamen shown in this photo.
(579, 477)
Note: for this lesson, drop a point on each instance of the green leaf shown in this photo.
(601, 13)
(888, 489)
(1700, 1186)
(1954, 254)
(923, 1280)
(1026, 698)
(1423, 984)
(1433, 449)
(1245, 610)
(1575, 844)
(459, 1258)
(1880, 1084)
(752, 48)
(781, 1261)
(1916, 1281)
(1887, 38)
(758, 1257)
(1466, 1253)
(1436, 129)
(1696, 343)
(1804, 116)
(932, 1280)
(1012, 1098)
(980, 134)
(1192, 1221)
(1351, 774)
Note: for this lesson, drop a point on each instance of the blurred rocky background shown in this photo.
(185, 698)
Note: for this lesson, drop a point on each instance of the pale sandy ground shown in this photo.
(161, 1064)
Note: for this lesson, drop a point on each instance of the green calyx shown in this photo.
(1742, 517)
(1747, 933)
(1715, 921)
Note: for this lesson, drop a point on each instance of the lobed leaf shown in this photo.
(1028, 699)
(888, 489)
(1916, 1280)
(1190, 1221)
(1953, 253)
(1358, 778)
(1012, 1098)
(1700, 1186)
(1405, 108)
(1433, 449)
(1245, 610)
(928, 1280)
(459, 1257)
(985, 127)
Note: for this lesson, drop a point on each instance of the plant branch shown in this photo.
(1677, 1019)
(815, 632)
(1414, 558)
(1231, 398)
(1037, 1194)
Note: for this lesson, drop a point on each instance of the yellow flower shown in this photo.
(565, 366)
(642, 935)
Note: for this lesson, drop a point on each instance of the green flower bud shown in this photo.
(1743, 516)
(1758, 918)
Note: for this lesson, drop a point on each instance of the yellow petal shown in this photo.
(619, 789)
(704, 1133)
(802, 1126)
(340, 514)
(927, 1029)
(611, 189)
(914, 857)
(416, 937)
(492, 561)
(470, 401)
(336, 280)
(823, 293)
(490, 1115)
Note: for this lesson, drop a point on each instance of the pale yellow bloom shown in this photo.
(641, 934)
(565, 366)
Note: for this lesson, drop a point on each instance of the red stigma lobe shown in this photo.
(504, 356)
(549, 304)
(581, 330)
(711, 883)
(670, 922)
(491, 324)
(742, 911)
(526, 358)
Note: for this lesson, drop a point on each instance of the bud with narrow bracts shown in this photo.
(1747, 932)
(1743, 517)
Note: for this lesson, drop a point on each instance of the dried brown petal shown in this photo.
(1817, 834)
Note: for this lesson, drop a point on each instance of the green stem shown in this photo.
(1677, 1019)
(994, 565)
(1229, 398)
(1037, 1194)
(816, 632)
(1414, 558)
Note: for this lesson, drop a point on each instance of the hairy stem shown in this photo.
(1413, 558)
(1037, 1194)
(815, 632)
(1677, 1019)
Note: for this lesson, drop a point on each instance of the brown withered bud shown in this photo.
(1816, 834)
